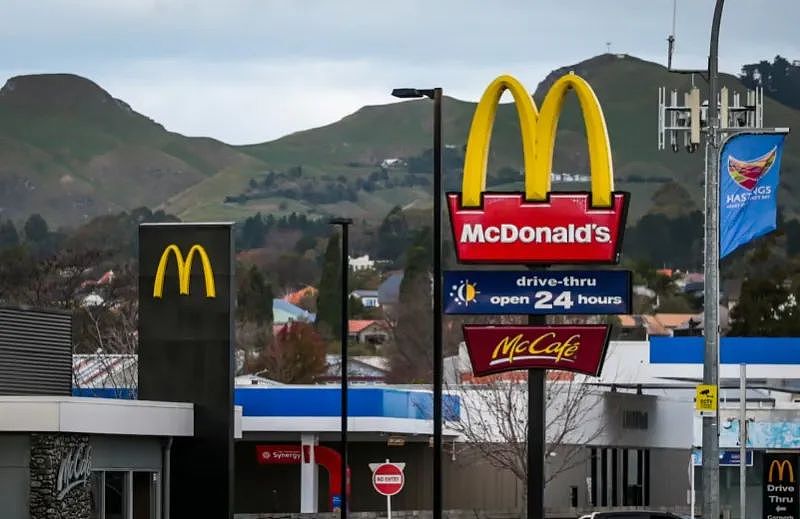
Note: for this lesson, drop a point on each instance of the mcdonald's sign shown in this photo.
(186, 337)
(783, 469)
(184, 270)
(538, 226)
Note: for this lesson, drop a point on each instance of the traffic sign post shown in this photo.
(388, 480)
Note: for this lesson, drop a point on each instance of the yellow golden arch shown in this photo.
(184, 270)
(781, 465)
(538, 130)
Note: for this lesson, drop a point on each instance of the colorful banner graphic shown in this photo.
(546, 292)
(538, 226)
(495, 349)
(749, 175)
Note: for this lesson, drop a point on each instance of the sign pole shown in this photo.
(388, 507)
(536, 433)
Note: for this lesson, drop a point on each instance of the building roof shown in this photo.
(359, 325)
(389, 291)
(673, 321)
(284, 312)
(104, 371)
(364, 293)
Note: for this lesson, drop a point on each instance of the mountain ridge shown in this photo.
(70, 150)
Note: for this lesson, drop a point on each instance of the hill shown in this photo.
(354, 146)
(70, 151)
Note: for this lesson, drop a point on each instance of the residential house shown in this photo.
(368, 331)
(361, 263)
(284, 312)
(359, 369)
(368, 298)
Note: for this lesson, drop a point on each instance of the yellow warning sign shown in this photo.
(705, 400)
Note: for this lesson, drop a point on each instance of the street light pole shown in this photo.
(345, 270)
(711, 284)
(438, 369)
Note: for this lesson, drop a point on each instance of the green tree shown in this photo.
(392, 235)
(296, 356)
(8, 235)
(410, 352)
(36, 229)
(768, 303)
(328, 305)
(254, 298)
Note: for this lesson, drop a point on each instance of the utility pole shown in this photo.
(711, 274)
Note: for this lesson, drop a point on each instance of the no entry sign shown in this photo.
(388, 478)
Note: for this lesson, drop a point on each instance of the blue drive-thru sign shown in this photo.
(537, 292)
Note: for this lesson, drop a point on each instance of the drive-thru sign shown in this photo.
(388, 480)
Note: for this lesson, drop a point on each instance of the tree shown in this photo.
(328, 305)
(412, 327)
(8, 235)
(254, 298)
(296, 356)
(494, 421)
(767, 305)
(392, 235)
(36, 229)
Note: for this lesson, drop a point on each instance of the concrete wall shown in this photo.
(14, 475)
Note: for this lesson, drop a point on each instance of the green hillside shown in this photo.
(627, 89)
(69, 151)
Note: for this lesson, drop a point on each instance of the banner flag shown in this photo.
(749, 174)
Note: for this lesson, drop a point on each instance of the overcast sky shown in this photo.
(252, 70)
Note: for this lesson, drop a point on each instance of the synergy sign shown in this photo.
(563, 292)
(494, 349)
(538, 226)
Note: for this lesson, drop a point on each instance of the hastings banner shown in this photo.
(749, 170)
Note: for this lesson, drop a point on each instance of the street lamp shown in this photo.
(345, 270)
(436, 95)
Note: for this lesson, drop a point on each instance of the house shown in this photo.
(284, 312)
(368, 298)
(393, 163)
(359, 369)
(367, 331)
(361, 263)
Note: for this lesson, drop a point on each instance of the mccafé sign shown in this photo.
(538, 226)
(493, 349)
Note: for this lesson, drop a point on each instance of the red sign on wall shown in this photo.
(495, 349)
(563, 229)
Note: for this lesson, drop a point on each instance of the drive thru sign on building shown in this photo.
(388, 480)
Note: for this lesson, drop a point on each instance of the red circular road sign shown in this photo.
(388, 479)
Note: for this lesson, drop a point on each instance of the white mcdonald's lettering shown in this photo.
(510, 233)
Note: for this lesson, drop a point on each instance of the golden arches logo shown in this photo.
(184, 270)
(781, 466)
(538, 130)
(538, 226)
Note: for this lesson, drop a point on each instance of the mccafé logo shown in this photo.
(538, 226)
(543, 347)
(184, 270)
(783, 469)
(495, 349)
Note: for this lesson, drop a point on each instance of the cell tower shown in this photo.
(680, 124)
